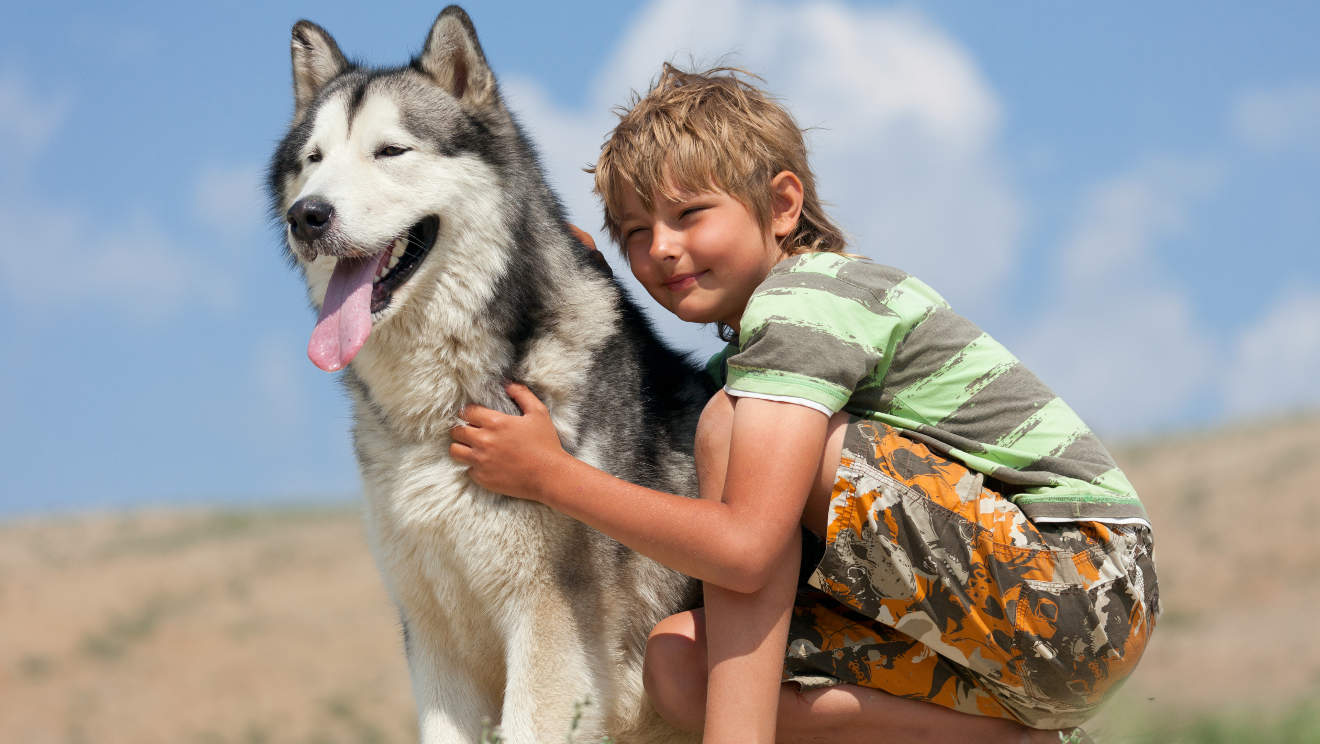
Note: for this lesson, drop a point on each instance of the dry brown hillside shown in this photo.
(267, 627)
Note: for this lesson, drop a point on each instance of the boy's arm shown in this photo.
(732, 542)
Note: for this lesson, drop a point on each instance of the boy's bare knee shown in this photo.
(815, 515)
(674, 670)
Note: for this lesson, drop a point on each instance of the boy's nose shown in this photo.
(664, 244)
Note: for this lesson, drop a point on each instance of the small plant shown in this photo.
(35, 666)
(1074, 736)
(491, 734)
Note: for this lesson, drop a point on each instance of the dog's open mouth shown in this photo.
(361, 288)
(406, 254)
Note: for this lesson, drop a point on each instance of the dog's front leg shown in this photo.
(551, 672)
(451, 707)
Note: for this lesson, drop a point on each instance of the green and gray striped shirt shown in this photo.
(832, 332)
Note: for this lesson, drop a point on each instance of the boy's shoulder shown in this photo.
(847, 268)
(851, 276)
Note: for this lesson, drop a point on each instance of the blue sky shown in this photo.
(1123, 193)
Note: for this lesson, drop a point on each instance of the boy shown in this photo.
(977, 567)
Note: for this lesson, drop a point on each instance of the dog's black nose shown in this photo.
(310, 217)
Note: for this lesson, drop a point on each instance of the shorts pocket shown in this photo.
(1077, 643)
(1054, 629)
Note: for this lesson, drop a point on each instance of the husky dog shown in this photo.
(441, 266)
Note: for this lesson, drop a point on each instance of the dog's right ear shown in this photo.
(454, 60)
(316, 61)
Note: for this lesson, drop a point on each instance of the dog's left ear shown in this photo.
(453, 58)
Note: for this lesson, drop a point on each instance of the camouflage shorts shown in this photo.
(932, 587)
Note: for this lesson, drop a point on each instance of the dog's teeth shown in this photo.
(396, 252)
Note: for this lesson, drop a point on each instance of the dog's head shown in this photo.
(379, 169)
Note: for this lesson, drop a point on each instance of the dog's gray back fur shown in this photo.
(512, 613)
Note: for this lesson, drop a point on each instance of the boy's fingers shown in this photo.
(460, 434)
(583, 237)
(589, 243)
(524, 397)
(461, 453)
(477, 415)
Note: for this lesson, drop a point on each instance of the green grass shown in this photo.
(491, 734)
(35, 667)
(124, 631)
(223, 524)
(359, 728)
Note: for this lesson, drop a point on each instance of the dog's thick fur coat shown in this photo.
(415, 188)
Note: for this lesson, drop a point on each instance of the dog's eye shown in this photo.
(314, 157)
(391, 151)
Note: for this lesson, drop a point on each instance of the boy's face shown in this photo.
(700, 257)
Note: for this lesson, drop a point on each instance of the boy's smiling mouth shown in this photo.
(683, 281)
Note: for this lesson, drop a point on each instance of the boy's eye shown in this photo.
(634, 235)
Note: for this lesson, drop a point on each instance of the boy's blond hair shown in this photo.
(699, 131)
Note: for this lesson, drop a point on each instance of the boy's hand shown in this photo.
(583, 237)
(589, 243)
(512, 455)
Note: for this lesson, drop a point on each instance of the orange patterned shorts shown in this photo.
(931, 587)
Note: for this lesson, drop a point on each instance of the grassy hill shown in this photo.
(266, 627)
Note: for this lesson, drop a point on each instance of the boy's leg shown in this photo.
(676, 680)
(677, 650)
(694, 667)
(1032, 623)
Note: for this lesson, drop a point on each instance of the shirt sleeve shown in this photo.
(715, 366)
(809, 339)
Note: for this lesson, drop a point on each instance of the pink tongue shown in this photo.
(345, 320)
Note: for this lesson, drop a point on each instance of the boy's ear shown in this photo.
(785, 203)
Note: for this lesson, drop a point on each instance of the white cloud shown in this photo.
(568, 141)
(1276, 361)
(230, 199)
(1283, 118)
(905, 142)
(62, 256)
(1126, 361)
(1122, 219)
(902, 141)
(1119, 339)
(875, 67)
(27, 120)
(903, 126)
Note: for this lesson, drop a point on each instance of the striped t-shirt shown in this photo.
(832, 332)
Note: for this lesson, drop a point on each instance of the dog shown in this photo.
(441, 266)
